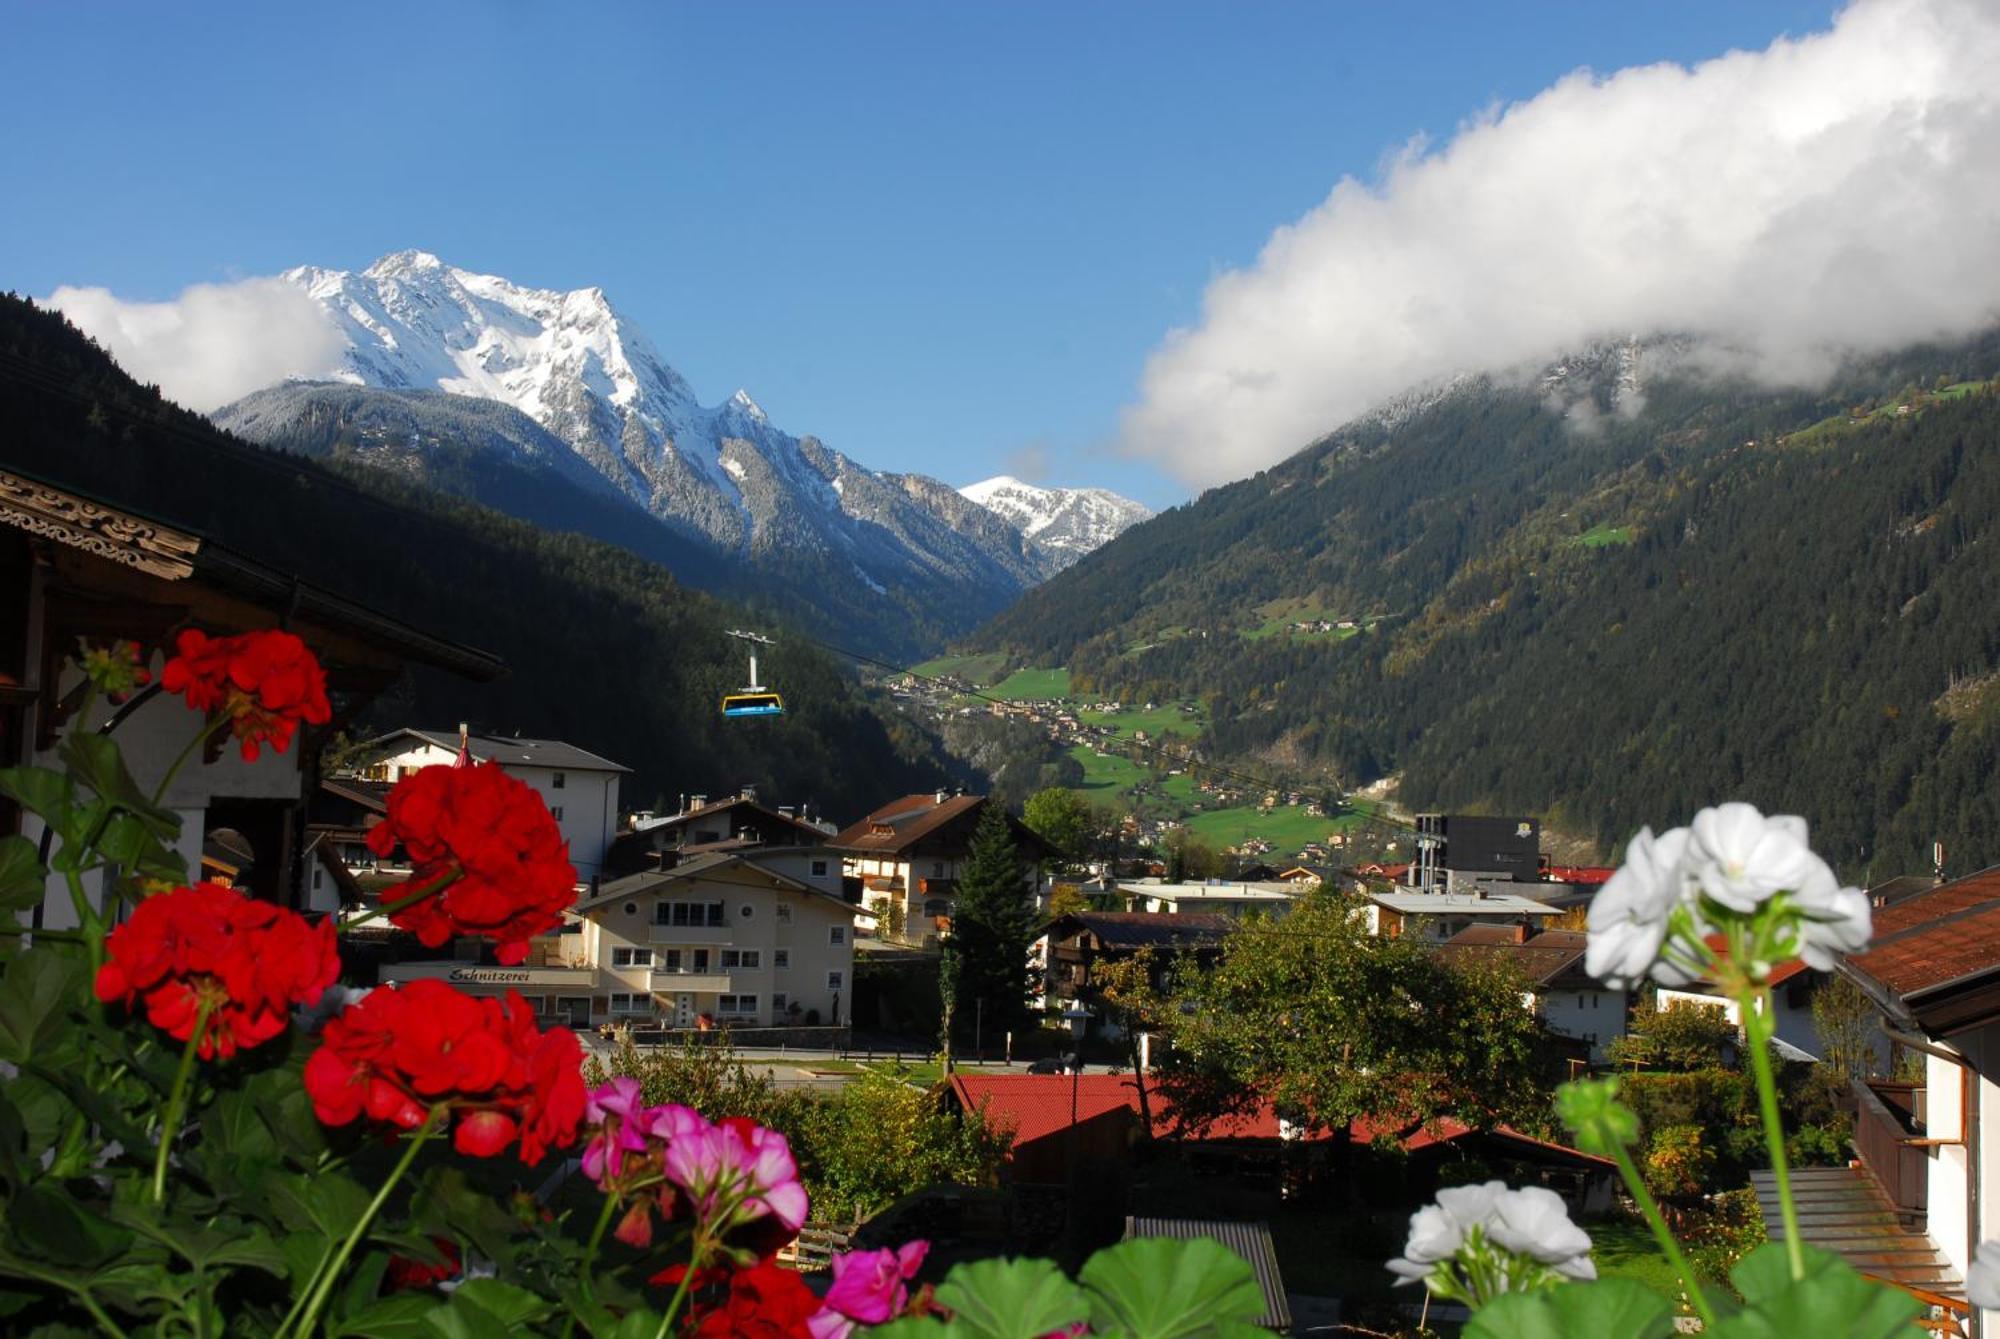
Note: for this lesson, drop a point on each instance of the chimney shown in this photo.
(749, 793)
(940, 797)
(699, 802)
(785, 809)
(1521, 931)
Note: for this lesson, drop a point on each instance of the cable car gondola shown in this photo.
(754, 699)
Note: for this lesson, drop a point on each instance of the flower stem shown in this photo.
(698, 1252)
(201, 737)
(177, 1099)
(1758, 1026)
(1662, 1234)
(385, 909)
(590, 1259)
(323, 1288)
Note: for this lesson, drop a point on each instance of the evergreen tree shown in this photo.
(991, 930)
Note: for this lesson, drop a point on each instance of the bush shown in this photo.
(1678, 1163)
(1684, 1036)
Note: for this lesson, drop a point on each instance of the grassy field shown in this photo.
(1623, 1248)
(1038, 685)
(977, 670)
(1108, 772)
(1167, 720)
(1602, 536)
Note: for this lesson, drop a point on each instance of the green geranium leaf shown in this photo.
(94, 759)
(1621, 1307)
(35, 998)
(1162, 1288)
(1010, 1299)
(22, 878)
(48, 795)
(49, 1225)
(398, 1317)
(1832, 1299)
(640, 1324)
(513, 1306)
(330, 1203)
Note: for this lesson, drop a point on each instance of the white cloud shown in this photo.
(213, 343)
(1838, 192)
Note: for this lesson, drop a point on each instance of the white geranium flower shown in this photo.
(1472, 1206)
(1628, 917)
(1982, 1278)
(1837, 919)
(1434, 1236)
(1534, 1221)
(1741, 858)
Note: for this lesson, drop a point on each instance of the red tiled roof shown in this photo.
(1582, 875)
(901, 823)
(1546, 958)
(1036, 1106)
(1932, 939)
(1784, 971)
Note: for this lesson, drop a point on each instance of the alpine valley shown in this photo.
(553, 407)
(1606, 590)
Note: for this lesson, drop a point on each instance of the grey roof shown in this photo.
(512, 751)
(1252, 1241)
(1415, 903)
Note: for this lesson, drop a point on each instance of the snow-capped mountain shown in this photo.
(573, 365)
(1069, 521)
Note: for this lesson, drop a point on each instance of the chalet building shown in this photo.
(75, 568)
(738, 822)
(1568, 1000)
(580, 788)
(1078, 943)
(909, 854)
(726, 939)
(1793, 985)
(1930, 1149)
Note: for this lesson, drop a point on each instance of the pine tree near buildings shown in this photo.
(992, 928)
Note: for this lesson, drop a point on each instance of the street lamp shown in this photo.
(1078, 1018)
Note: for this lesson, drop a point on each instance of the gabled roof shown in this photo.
(899, 825)
(1553, 958)
(1937, 954)
(657, 880)
(508, 751)
(1141, 929)
(741, 803)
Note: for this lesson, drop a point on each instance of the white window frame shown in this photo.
(784, 913)
(745, 959)
(632, 957)
(781, 959)
(819, 869)
(836, 934)
(835, 980)
(636, 1003)
(736, 1006)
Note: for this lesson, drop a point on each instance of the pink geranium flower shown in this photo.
(872, 1286)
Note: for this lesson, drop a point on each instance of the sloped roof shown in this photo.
(1140, 929)
(900, 824)
(1035, 1106)
(653, 880)
(1551, 958)
(1942, 942)
(510, 750)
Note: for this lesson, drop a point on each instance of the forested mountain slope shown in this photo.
(606, 650)
(1605, 617)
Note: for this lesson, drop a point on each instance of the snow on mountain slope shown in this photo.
(572, 364)
(1071, 521)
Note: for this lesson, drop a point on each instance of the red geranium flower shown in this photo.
(765, 1301)
(264, 682)
(407, 1273)
(494, 839)
(249, 961)
(404, 1049)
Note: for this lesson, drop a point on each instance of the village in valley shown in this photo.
(1341, 681)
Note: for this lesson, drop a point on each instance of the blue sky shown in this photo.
(943, 237)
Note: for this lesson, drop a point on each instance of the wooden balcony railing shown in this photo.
(1894, 1151)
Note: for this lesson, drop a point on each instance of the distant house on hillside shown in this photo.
(909, 854)
(580, 788)
(1213, 897)
(74, 568)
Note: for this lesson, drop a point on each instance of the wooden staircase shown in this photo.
(1843, 1210)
